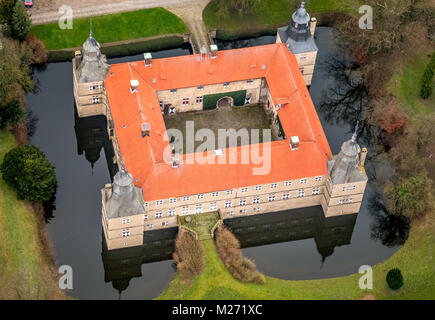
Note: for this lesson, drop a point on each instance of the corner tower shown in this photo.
(299, 39)
(347, 180)
(89, 72)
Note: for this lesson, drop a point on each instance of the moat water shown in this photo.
(300, 244)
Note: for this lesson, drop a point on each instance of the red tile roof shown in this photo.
(144, 157)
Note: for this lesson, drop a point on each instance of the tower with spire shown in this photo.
(347, 179)
(89, 72)
(299, 39)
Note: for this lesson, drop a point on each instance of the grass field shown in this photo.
(111, 28)
(415, 259)
(201, 224)
(274, 13)
(405, 85)
(24, 268)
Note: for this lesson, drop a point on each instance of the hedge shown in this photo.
(427, 79)
(210, 100)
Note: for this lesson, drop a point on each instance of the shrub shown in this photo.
(241, 268)
(188, 255)
(37, 47)
(10, 114)
(409, 197)
(427, 79)
(394, 279)
(30, 173)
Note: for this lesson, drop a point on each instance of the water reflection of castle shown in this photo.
(121, 265)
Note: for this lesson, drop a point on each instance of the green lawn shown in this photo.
(405, 85)
(268, 14)
(24, 268)
(111, 28)
(415, 259)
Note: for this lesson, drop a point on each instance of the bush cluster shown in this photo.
(241, 268)
(27, 170)
(394, 279)
(189, 255)
(427, 79)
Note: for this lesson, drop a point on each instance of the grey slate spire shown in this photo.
(346, 161)
(126, 199)
(93, 66)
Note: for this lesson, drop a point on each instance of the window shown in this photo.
(248, 99)
(273, 185)
(172, 200)
(257, 209)
(125, 233)
(258, 188)
(244, 189)
(318, 179)
(285, 196)
(161, 104)
(159, 215)
(226, 84)
(171, 110)
(200, 87)
(200, 196)
(164, 223)
(243, 211)
(171, 212)
(315, 191)
(198, 208)
(301, 193)
(125, 220)
(230, 213)
(271, 197)
(185, 101)
(242, 202)
(150, 226)
(158, 202)
(304, 180)
(145, 217)
(95, 100)
(214, 194)
(185, 210)
(228, 204)
(173, 90)
(213, 206)
(146, 204)
(250, 81)
(349, 188)
(199, 99)
(229, 191)
(256, 200)
(288, 183)
(186, 198)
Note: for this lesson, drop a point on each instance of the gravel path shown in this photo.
(47, 10)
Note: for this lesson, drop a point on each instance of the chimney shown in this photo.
(362, 157)
(213, 51)
(175, 159)
(313, 23)
(294, 142)
(134, 85)
(147, 57)
(145, 129)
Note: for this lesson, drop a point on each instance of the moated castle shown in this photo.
(149, 192)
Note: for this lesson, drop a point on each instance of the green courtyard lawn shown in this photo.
(111, 28)
(201, 224)
(267, 15)
(25, 266)
(405, 84)
(415, 259)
